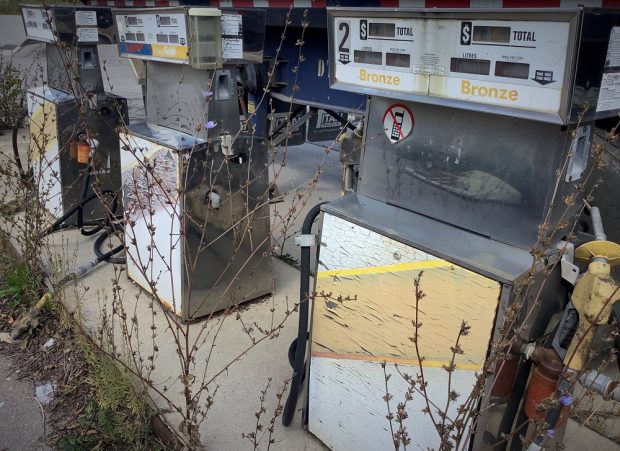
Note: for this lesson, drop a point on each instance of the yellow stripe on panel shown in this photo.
(176, 52)
(409, 362)
(398, 267)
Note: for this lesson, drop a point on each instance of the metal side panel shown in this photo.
(362, 319)
(46, 146)
(228, 244)
(206, 225)
(99, 120)
(477, 171)
(56, 121)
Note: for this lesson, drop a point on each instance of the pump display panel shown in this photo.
(204, 38)
(160, 35)
(38, 23)
(484, 60)
(72, 25)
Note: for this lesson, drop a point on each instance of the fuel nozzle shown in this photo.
(595, 292)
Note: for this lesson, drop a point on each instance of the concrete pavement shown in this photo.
(12, 32)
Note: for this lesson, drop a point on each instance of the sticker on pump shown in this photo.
(397, 122)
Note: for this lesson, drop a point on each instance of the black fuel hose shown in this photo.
(302, 334)
(79, 208)
(615, 319)
(109, 255)
(107, 226)
(81, 205)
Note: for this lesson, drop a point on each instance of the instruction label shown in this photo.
(88, 18)
(232, 36)
(609, 95)
(613, 50)
(397, 122)
(87, 35)
(38, 24)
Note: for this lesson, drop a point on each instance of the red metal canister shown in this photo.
(544, 380)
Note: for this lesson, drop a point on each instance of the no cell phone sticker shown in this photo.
(397, 122)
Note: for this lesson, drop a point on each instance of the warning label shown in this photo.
(609, 95)
(397, 122)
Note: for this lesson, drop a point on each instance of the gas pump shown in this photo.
(475, 151)
(195, 181)
(73, 121)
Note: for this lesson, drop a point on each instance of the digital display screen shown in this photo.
(174, 39)
(130, 36)
(469, 66)
(382, 30)
(366, 57)
(398, 59)
(164, 20)
(162, 38)
(499, 35)
(131, 20)
(512, 70)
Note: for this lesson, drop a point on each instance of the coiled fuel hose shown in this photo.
(105, 227)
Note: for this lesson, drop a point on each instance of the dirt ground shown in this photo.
(93, 404)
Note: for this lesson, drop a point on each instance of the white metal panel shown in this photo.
(378, 250)
(44, 149)
(362, 317)
(348, 412)
(153, 239)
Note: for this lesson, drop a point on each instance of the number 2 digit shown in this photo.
(344, 26)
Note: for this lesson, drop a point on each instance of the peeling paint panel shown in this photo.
(154, 241)
(353, 246)
(44, 149)
(364, 315)
(368, 308)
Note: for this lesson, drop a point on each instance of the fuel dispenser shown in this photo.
(195, 180)
(73, 121)
(476, 146)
